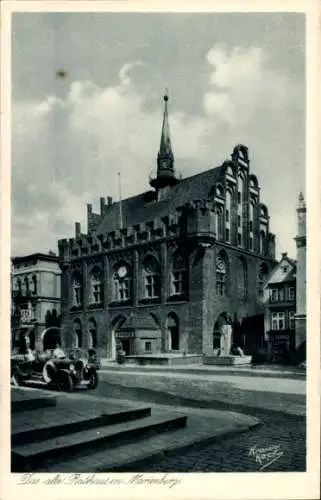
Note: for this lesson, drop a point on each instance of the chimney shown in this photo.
(109, 201)
(77, 229)
(102, 206)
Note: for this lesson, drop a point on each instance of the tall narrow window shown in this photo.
(278, 322)
(96, 282)
(26, 285)
(122, 282)
(179, 275)
(221, 276)
(228, 215)
(219, 222)
(242, 278)
(291, 320)
(151, 277)
(262, 243)
(92, 334)
(34, 285)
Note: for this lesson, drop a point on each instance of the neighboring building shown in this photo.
(161, 271)
(35, 282)
(280, 300)
(300, 317)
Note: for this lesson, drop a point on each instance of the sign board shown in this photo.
(125, 335)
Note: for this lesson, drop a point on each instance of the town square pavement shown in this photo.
(278, 402)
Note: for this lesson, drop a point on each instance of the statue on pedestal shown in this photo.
(226, 337)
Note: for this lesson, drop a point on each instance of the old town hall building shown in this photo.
(162, 271)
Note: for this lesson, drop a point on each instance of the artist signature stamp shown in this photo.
(265, 457)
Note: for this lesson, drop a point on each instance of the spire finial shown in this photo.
(166, 95)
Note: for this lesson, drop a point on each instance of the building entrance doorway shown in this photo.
(173, 332)
(126, 346)
(217, 332)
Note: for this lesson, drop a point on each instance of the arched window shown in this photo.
(34, 285)
(151, 277)
(240, 208)
(77, 289)
(19, 285)
(221, 275)
(96, 286)
(92, 334)
(179, 281)
(122, 281)
(262, 243)
(241, 282)
(228, 215)
(77, 334)
(261, 281)
(219, 222)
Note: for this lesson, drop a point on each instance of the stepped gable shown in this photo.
(144, 207)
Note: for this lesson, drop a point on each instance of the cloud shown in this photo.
(67, 152)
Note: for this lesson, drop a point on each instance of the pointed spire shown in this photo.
(301, 204)
(165, 148)
(165, 158)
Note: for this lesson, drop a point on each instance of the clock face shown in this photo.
(122, 271)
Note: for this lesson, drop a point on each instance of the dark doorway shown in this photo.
(51, 338)
(173, 332)
(126, 346)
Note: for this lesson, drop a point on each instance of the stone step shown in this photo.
(31, 456)
(131, 457)
(31, 402)
(71, 422)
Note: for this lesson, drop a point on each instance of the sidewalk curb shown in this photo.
(301, 375)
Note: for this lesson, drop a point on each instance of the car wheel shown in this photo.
(64, 381)
(16, 378)
(93, 380)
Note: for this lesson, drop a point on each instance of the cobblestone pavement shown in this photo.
(282, 427)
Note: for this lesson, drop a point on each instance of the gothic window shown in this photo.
(96, 282)
(92, 334)
(262, 243)
(122, 279)
(151, 278)
(242, 278)
(261, 281)
(77, 289)
(221, 275)
(219, 222)
(179, 275)
(77, 334)
(228, 215)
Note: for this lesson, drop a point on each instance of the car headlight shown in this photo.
(72, 368)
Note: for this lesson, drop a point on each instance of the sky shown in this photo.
(232, 78)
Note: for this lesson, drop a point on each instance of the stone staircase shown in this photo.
(69, 436)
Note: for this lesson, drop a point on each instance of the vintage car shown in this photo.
(63, 373)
